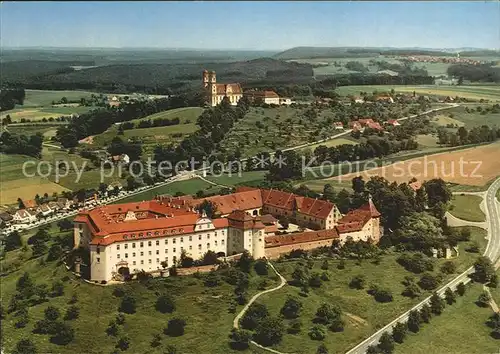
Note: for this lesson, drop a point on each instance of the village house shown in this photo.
(285, 101)
(216, 92)
(338, 125)
(267, 97)
(123, 159)
(44, 210)
(5, 219)
(30, 204)
(64, 203)
(393, 122)
(23, 216)
(126, 238)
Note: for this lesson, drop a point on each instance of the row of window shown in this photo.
(157, 242)
(174, 250)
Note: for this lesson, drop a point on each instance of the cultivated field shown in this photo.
(37, 98)
(481, 164)
(488, 92)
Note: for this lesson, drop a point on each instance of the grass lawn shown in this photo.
(333, 142)
(235, 180)
(38, 113)
(187, 187)
(460, 329)
(46, 130)
(427, 140)
(190, 114)
(474, 118)
(205, 311)
(444, 120)
(466, 207)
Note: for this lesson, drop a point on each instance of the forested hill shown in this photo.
(353, 52)
(157, 78)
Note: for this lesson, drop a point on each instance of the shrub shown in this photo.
(120, 319)
(358, 282)
(448, 267)
(291, 308)
(119, 292)
(240, 339)
(63, 334)
(295, 326)
(411, 290)
(72, 313)
(51, 313)
(425, 313)
(269, 331)
(123, 343)
(175, 327)
(315, 280)
(25, 346)
(317, 332)
(128, 304)
(112, 329)
(461, 289)
(212, 279)
(399, 332)
(261, 267)
(428, 282)
(165, 304)
(255, 313)
(416, 263)
(484, 299)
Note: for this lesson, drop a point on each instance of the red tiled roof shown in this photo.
(278, 199)
(374, 213)
(263, 94)
(314, 207)
(31, 203)
(365, 121)
(415, 185)
(241, 220)
(356, 219)
(297, 238)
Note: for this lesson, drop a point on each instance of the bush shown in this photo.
(412, 291)
(72, 313)
(212, 279)
(483, 300)
(120, 319)
(175, 327)
(295, 326)
(269, 331)
(63, 334)
(123, 343)
(448, 267)
(317, 332)
(461, 289)
(165, 304)
(240, 339)
(341, 264)
(291, 308)
(399, 332)
(57, 289)
(428, 282)
(112, 329)
(315, 280)
(127, 305)
(261, 267)
(51, 313)
(255, 313)
(25, 346)
(416, 263)
(358, 282)
(119, 292)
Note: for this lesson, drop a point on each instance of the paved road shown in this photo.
(492, 251)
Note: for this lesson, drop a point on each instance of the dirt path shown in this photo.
(236, 322)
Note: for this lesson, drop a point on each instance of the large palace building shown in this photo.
(216, 92)
(151, 235)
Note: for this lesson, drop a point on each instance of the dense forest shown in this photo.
(482, 73)
(463, 136)
(21, 144)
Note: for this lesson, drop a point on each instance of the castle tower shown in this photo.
(205, 78)
(213, 78)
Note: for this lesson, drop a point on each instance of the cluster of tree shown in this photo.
(118, 147)
(379, 79)
(148, 123)
(9, 97)
(214, 123)
(416, 319)
(21, 144)
(483, 73)
(356, 66)
(407, 68)
(463, 136)
(97, 121)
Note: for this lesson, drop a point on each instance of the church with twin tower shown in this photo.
(216, 92)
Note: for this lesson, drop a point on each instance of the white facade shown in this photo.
(23, 217)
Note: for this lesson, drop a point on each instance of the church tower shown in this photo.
(205, 79)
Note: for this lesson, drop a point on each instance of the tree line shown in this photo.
(463, 136)
(21, 144)
(475, 73)
(10, 97)
(148, 123)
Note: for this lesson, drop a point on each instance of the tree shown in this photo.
(414, 321)
(300, 276)
(51, 313)
(123, 343)
(212, 279)
(63, 334)
(448, 267)
(324, 265)
(357, 282)
(484, 299)
(493, 281)
(165, 304)
(57, 289)
(291, 308)
(317, 332)
(112, 329)
(425, 313)
(437, 192)
(12, 241)
(55, 252)
(175, 327)
(284, 221)
(327, 314)
(295, 326)
(436, 303)
(322, 349)
(25, 346)
(383, 295)
(245, 262)
(261, 267)
(411, 290)
(208, 207)
(428, 281)
(386, 343)
(373, 349)
(449, 296)
(315, 280)
(461, 289)
(39, 248)
(72, 313)
(127, 304)
(120, 318)
(269, 331)
(483, 270)
(156, 341)
(240, 339)
(255, 313)
(399, 332)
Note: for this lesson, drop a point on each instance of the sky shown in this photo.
(262, 25)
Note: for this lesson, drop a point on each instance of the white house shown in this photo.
(23, 216)
(44, 209)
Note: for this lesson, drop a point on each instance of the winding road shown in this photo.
(492, 252)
